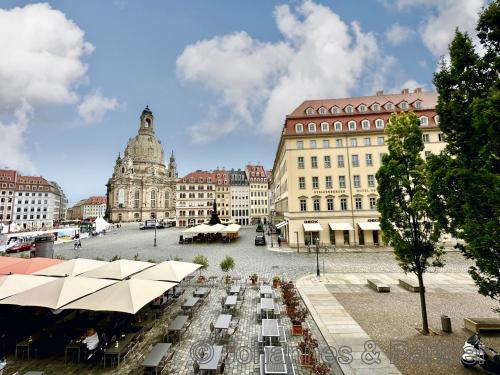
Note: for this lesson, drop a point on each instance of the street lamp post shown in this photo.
(297, 234)
(271, 235)
(317, 256)
(154, 243)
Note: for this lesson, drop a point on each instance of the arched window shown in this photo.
(335, 110)
(365, 124)
(379, 123)
(123, 169)
(403, 105)
(389, 107)
(352, 125)
(338, 126)
(362, 108)
(299, 128)
(153, 198)
(325, 127)
(418, 104)
(424, 121)
(348, 109)
(136, 199)
(322, 111)
(311, 127)
(376, 107)
(121, 198)
(309, 111)
(436, 119)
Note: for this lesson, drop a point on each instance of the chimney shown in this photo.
(405, 91)
(418, 90)
(380, 93)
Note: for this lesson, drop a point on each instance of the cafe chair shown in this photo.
(212, 329)
(196, 367)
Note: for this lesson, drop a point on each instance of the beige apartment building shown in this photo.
(223, 194)
(323, 181)
(195, 194)
(92, 207)
(259, 193)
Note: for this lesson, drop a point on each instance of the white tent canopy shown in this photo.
(71, 267)
(168, 271)
(231, 228)
(17, 283)
(101, 224)
(58, 292)
(127, 296)
(369, 225)
(312, 227)
(119, 269)
(340, 226)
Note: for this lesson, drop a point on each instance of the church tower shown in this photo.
(147, 122)
(172, 165)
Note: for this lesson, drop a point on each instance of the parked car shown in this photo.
(150, 224)
(260, 240)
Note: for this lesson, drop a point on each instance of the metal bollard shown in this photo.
(446, 323)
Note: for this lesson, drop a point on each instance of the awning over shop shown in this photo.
(369, 225)
(340, 226)
(312, 227)
(282, 224)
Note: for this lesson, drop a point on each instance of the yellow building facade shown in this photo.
(323, 179)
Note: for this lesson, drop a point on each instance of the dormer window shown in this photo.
(362, 108)
(436, 119)
(389, 107)
(379, 123)
(424, 121)
(418, 104)
(403, 105)
(365, 124)
(299, 128)
(348, 109)
(325, 127)
(309, 111)
(311, 127)
(338, 126)
(352, 125)
(335, 110)
(376, 107)
(322, 111)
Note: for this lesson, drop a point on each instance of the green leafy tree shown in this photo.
(406, 213)
(201, 260)
(466, 181)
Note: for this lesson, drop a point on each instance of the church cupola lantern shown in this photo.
(146, 122)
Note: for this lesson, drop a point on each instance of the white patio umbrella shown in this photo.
(127, 296)
(118, 270)
(170, 270)
(231, 228)
(73, 267)
(215, 228)
(58, 292)
(18, 283)
(202, 228)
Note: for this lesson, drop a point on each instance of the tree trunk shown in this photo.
(423, 307)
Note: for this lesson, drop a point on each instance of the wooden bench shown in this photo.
(378, 285)
(482, 324)
(409, 284)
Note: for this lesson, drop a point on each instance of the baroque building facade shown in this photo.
(142, 185)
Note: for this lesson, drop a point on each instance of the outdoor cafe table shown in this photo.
(274, 360)
(223, 321)
(73, 346)
(267, 304)
(200, 292)
(211, 363)
(178, 323)
(270, 329)
(265, 290)
(230, 301)
(120, 350)
(156, 355)
(235, 289)
(25, 343)
(190, 303)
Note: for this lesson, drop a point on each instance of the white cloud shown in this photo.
(397, 34)
(13, 154)
(93, 107)
(442, 17)
(319, 56)
(40, 65)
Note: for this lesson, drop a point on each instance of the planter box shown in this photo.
(276, 284)
(297, 330)
(307, 360)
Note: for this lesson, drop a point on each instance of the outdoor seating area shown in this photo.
(204, 233)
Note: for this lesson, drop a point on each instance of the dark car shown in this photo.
(260, 240)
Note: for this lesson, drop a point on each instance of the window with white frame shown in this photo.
(362, 108)
(314, 162)
(310, 111)
(352, 125)
(327, 161)
(338, 126)
(436, 120)
(355, 160)
(354, 142)
(326, 143)
(302, 183)
(389, 107)
(379, 123)
(300, 145)
(349, 109)
(358, 203)
(424, 121)
(299, 128)
(340, 161)
(343, 204)
(373, 203)
(371, 180)
(365, 124)
(403, 105)
(300, 162)
(335, 110)
(316, 204)
(380, 140)
(329, 204)
(376, 107)
(367, 141)
(315, 182)
(325, 126)
(303, 205)
(328, 182)
(369, 159)
(418, 104)
(322, 111)
(338, 143)
(426, 138)
(342, 182)
(311, 127)
(356, 179)
(312, 143)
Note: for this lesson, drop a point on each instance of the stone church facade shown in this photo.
(142, 185)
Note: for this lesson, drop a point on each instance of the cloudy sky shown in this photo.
(220, 76)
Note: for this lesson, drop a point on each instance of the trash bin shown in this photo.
(446, 323)
(44, 246)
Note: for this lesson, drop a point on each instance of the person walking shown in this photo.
(279, 241)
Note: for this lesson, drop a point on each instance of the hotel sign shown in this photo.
(341, 191)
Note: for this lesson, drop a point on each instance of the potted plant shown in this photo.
(291, 303)
(203, 261)
(276, 281)
(253, 278)
(297, 317)
(306, 348)
(287, 289)
(227, 265)
(321, 369)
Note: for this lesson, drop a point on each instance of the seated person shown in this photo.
(90, 339)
